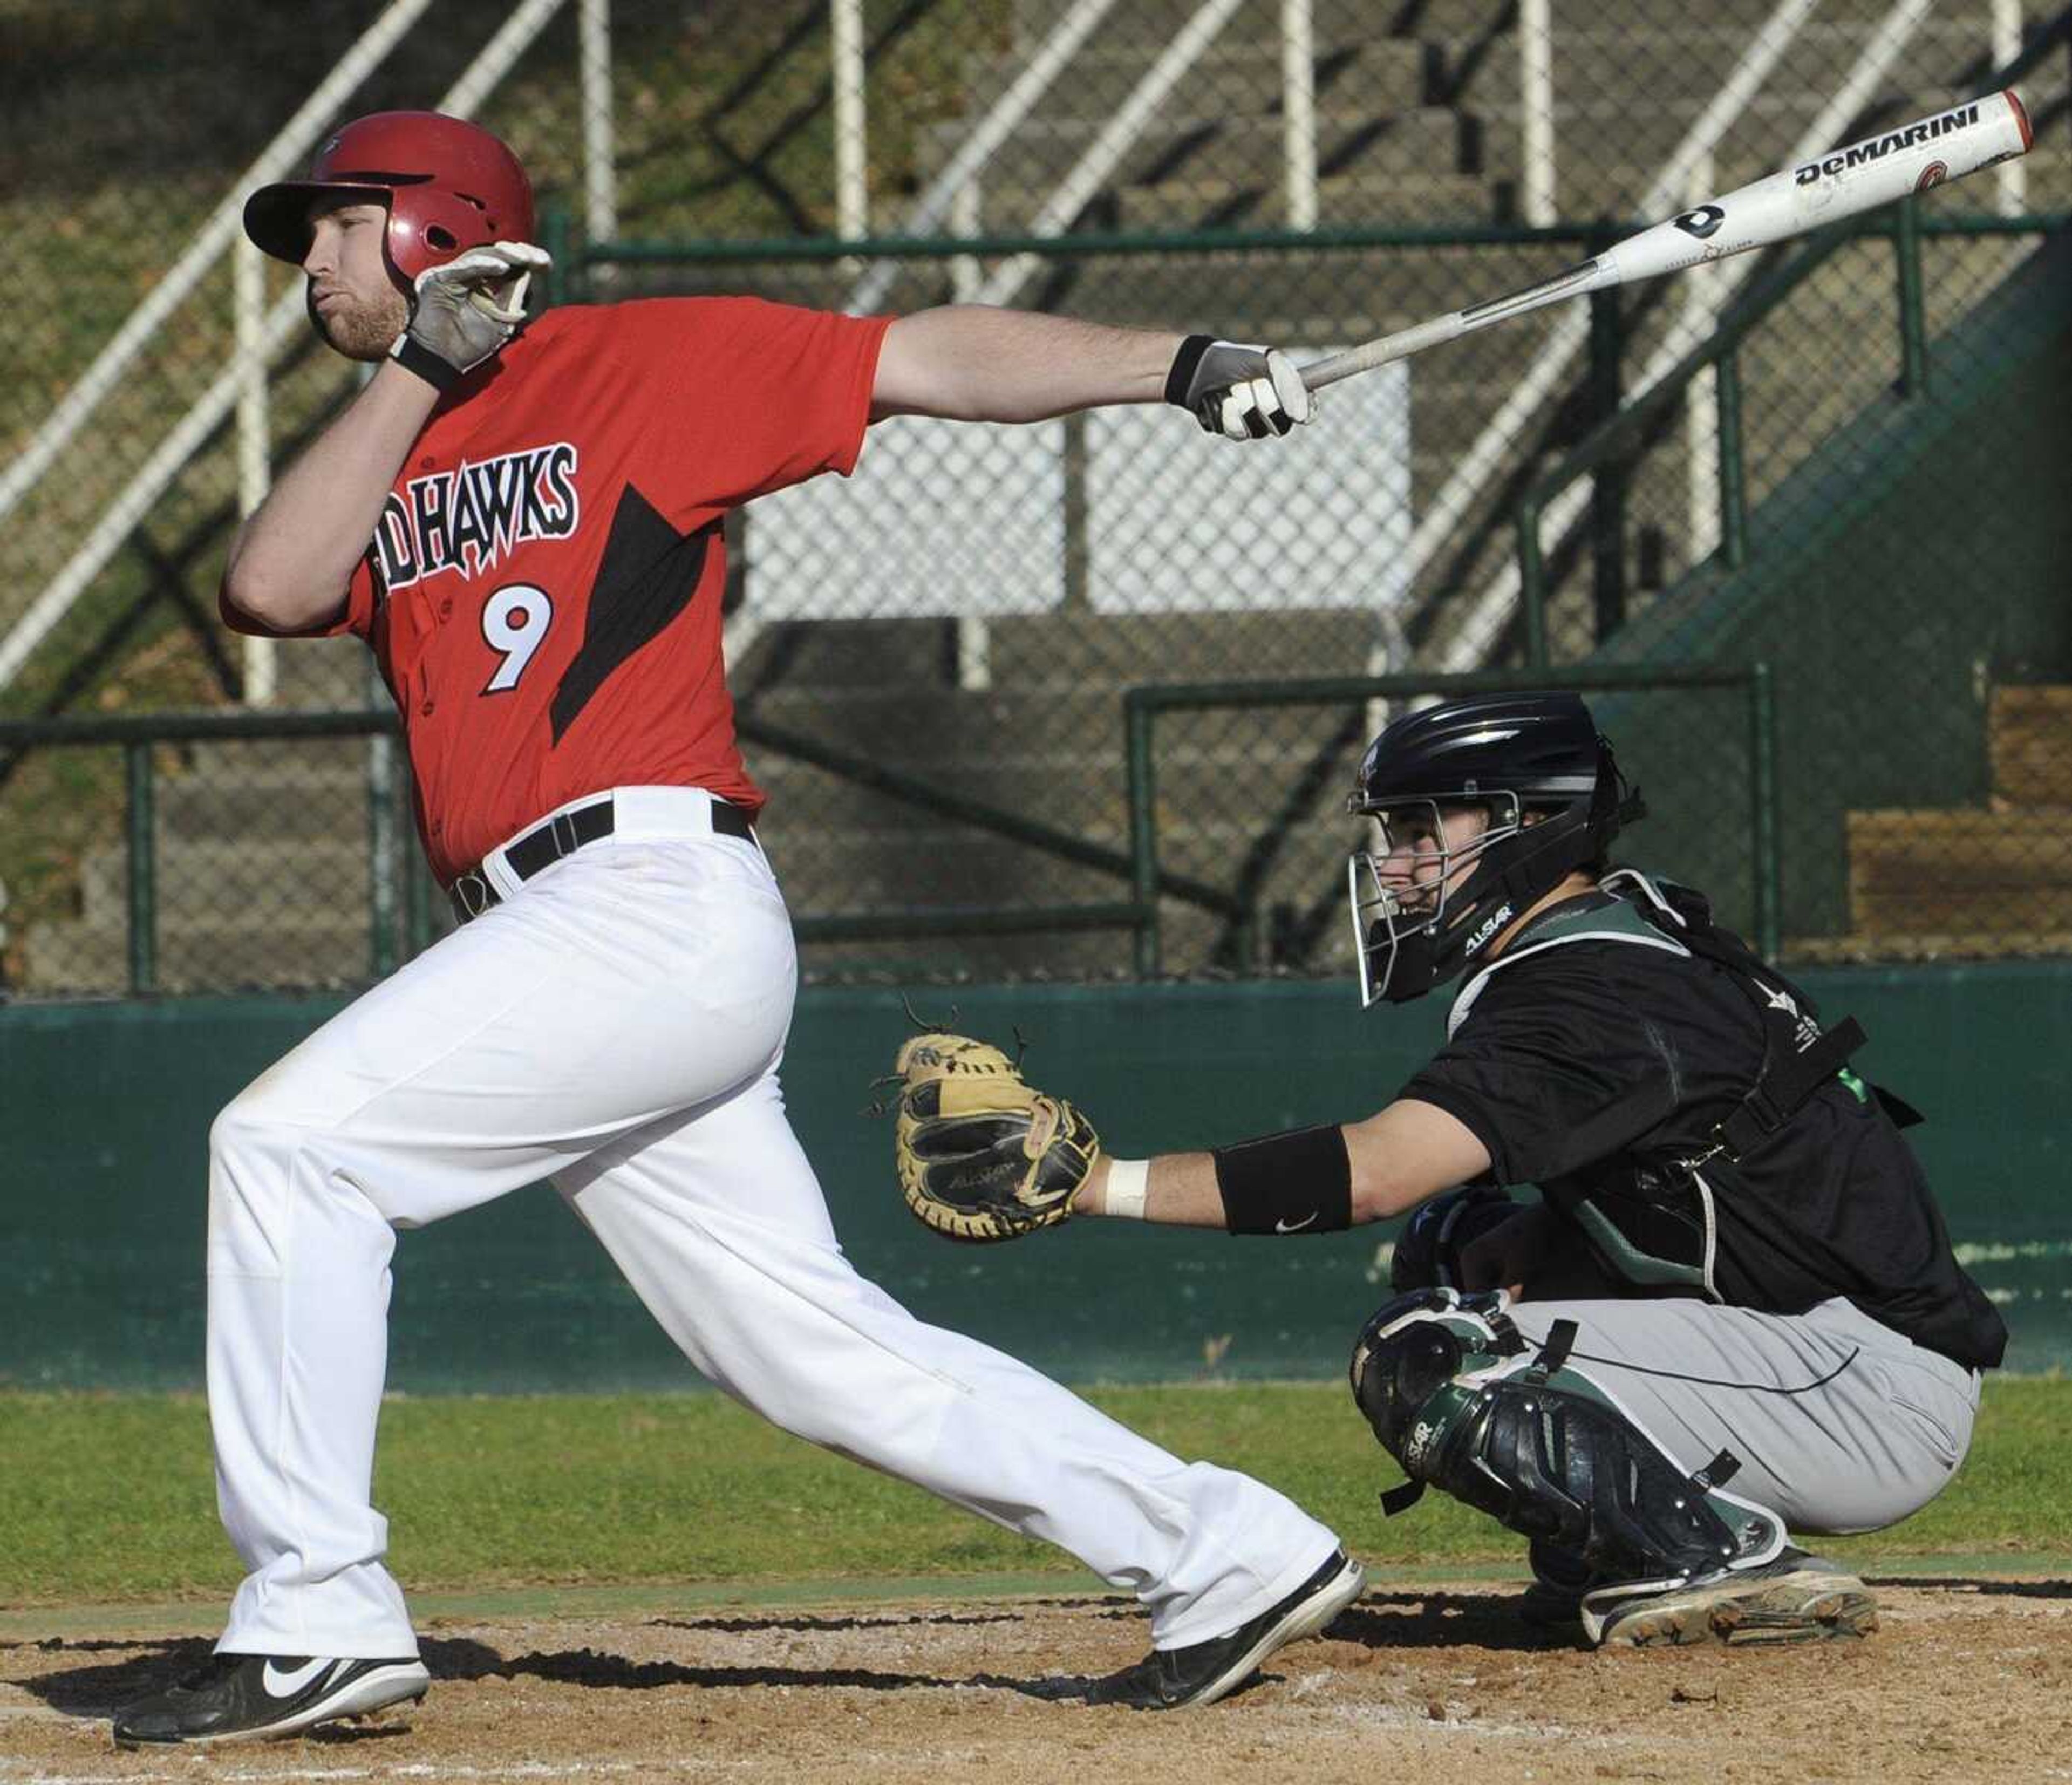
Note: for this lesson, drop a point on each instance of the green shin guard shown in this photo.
(1455, 1395)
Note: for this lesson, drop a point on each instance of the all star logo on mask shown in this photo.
(1488, 927)
(468, 519)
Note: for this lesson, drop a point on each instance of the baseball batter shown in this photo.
(1732, 1312)
(523, 524)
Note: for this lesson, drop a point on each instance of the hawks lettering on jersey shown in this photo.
(465, 520)
(543, 591)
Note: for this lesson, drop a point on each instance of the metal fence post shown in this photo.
(1913, 323)
(1143, 830)
(1607, 502)
(1532, 583)
(1763, 759)
(1733, 478)
(139, 770)
(558, 239)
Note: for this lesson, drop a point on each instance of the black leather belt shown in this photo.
(563, 834)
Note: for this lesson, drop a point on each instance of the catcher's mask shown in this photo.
(1536, 767)
(448, 186)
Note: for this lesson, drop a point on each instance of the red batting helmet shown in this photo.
(449, 185)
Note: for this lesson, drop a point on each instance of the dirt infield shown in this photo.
(1968, 1680)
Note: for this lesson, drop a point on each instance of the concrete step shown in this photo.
(1962, 872)
(335, 758)
(1197, 140)
(950, 738)
(323, 673)
(1153, 22)
(2029, 731)
(1078, 794)
(1378, 195)
(1083, 653)
(225, 956)
(291, 805)
(1860, 948)
(1671, 59)
(258, 879)
(1233, 79)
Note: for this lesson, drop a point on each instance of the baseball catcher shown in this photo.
(1730, 1313)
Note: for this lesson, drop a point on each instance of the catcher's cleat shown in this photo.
(1796, 1598)
(1169, 1680)
(255, 1697)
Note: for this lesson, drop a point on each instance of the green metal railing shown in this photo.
(139, 738)
(1141, 707)
(1624, 434)
(412, 928)
(569, 282)
(392, 842)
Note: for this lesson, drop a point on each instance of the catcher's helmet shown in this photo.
(1509, 755)
(449, 185)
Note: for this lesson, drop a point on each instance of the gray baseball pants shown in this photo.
(1839, 1423)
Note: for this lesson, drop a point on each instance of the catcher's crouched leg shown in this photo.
(1660, 1555)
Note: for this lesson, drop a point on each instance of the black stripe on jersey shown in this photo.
(649, 572)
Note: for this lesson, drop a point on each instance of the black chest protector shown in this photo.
(1648, 1211)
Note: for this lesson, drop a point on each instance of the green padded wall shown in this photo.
(106, 1109)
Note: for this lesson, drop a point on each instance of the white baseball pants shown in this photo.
(616, 1024)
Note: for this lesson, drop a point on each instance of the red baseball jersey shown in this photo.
(543, 591)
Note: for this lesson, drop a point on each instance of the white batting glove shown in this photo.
(1241, 391)
(463, 313)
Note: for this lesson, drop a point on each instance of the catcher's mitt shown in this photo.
(982, 1156)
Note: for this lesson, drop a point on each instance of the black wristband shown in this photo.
(416, 357)
(1184, 362)
(1301, 1182)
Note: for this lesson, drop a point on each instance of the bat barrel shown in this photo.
(1843, 182)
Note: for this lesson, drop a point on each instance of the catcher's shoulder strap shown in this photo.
(1600, 916)
(1650, 1214)
(1799, 1055)
(1631, 905)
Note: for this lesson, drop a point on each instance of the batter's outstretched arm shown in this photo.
(291, 562)
(972, 363)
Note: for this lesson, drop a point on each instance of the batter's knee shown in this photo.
(257, 1153)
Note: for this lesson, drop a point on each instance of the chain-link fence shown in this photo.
(1841, 458)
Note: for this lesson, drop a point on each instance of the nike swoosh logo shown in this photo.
(1295, 1227)
(279, 1684)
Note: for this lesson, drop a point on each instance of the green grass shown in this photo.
(111, 1497)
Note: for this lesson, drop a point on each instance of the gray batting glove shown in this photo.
(1241, 391)
(463, 313)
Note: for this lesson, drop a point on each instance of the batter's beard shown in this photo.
(363, 331)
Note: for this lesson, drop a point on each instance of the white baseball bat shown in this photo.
(1841, 184)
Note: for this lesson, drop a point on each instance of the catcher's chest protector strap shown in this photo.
(1540, 1446)
(1799, 1055)
(1650, 1218)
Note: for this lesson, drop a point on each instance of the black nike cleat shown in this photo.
(1169, 1679)
(253, 1697)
